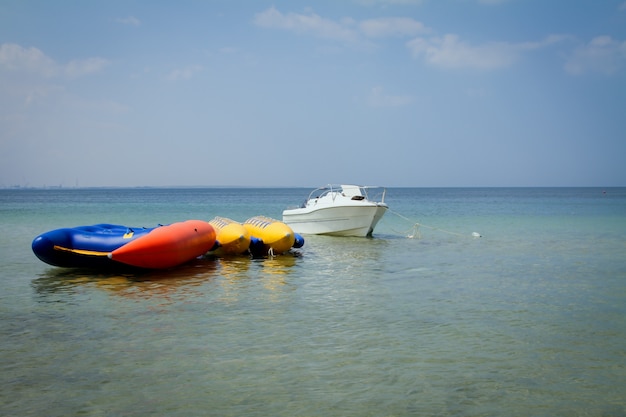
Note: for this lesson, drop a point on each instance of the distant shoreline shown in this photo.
(182, 187)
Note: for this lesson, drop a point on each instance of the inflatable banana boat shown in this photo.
(258, 236)
(231, 237)
(108, 245)
(270, 236)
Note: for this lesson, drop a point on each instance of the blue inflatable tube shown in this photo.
(84, 246)
(299, 242)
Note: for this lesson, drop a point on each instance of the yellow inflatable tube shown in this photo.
(276, 236)
(231, 237)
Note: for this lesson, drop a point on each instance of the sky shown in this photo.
(397, 93)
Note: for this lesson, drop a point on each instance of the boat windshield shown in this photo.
(354, 191)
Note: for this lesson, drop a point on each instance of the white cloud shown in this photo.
(228, 50)
(77, 68)
(451, 52)
(492, 1)
(130, 20)
(448, 51)
(385, 3)
(184, 73)
(391, 26)
(306, 24)
(476, 92)
(379, 98)
(602, 54)
(14, 57)
(344, 30)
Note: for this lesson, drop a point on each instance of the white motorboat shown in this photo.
(338, 210)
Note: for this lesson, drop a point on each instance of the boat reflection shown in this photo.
(230, 274)
(136, 283)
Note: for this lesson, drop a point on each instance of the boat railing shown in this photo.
(371, 193)
(374, 193)
(320, 192)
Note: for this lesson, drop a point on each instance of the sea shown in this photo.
(465, 302)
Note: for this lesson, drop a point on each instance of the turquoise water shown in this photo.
(528, 320)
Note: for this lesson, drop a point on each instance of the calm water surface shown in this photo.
(529, 320)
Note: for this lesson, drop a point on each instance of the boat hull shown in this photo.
(338, 210)
(355, 220)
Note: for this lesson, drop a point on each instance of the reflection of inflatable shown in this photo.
(231, 237)
(106, 245)
(271, 236)
(169, 285)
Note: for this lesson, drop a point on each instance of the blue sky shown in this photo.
(421, 93)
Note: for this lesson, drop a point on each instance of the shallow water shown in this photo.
(529, 319)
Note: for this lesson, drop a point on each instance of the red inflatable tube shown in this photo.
(168, 246)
